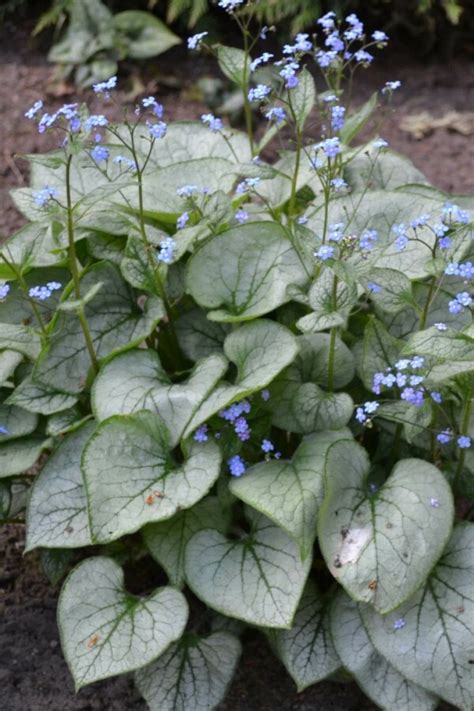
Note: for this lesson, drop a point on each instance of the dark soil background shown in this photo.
(33, 674)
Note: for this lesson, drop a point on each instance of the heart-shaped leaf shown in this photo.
(136, 381)
(192, 675)
(307, 650)
(307, 408)
(167, 540)
(244, 272)
(131, 478)
(381, 546)
(105, 631)
(260, 350)
(331, 300)
(258, 579)
(374, 674)
(430, 637)
(291, 492)
(57, 510)
(199, 337)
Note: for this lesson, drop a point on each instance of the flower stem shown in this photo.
(466, 418)
(75, 271)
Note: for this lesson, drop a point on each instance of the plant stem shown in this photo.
(294, 180)
(245, 91)
(466, 417)
(24, 286)
(332, 338)
(426, 309)
(75, 271)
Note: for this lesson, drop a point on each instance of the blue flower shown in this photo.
(420, 221)
(259, 93)
(37, 106)
(331, 147)
(399, 624)
(367, 240)
(267, 446)
(302, 220)
(236, 465)
(94, 121)
(4, 291)
(334, 42)
(194, 42)
(402, 237)
(464, 442)
(265, 394)
(241, 216)
(373, 287)
(380, 36)
(42, 197)
(325, 59)
(327, 21)
(440, 326)
(434, 503)
(380, 143)
(263, 59)
(444, 437)
(46, 121)
(276, 114)
(242, 429)
(128, 162)
(167, 248)
(104, 87)
(3, 430)
(417, 362)
(41, 293)
(455, 213)
(150, 102)
(337, 117)
(336, 232)
(414, 397)
(324, 252)
(462, 300)
(201, 434)
(391, 86)
(157, 130)
(235, 410)
(339, 184)
(436, 397)
(99, 153)
(247, 185)
(214, 123)
(182, 220)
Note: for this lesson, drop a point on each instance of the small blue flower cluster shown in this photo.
(214, 123)
(3, 430)
(368, 408)
(166, 252)
(247, 185)
(446, 436)
(259, 93)
(42, 293)
(195, 41)
(4, 291)
(42, 197)
(338, 47)
(409, 383)
(182, 221)
(451, 217)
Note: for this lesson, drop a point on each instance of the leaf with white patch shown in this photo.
(39, 398)
(21, 454)
(430, 638)
(381, 546)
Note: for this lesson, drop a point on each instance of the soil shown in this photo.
(33, 674)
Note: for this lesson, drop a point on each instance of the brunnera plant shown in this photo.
(259, 376)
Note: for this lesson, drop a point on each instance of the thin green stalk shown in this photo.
(332, 339)
(429, 299)
(245, 91)
(466, 418)
(294, 180)
(24, 287)
(75, 271)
